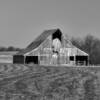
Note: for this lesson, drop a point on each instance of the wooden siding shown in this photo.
(45, 59)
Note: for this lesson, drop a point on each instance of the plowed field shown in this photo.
(24, 82)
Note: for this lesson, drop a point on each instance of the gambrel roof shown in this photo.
(38, 41)
(41, 38)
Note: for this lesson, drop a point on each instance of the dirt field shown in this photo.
(24, 82)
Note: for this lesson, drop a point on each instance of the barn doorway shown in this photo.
(81, 60)
(31, 59)
(57, 35)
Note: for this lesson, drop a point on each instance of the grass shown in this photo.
(32, 82)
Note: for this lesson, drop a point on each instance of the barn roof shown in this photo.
(41, 38)
(37, 41)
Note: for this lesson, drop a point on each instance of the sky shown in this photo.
(21, 21)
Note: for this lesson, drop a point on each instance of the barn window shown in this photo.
(72, 58)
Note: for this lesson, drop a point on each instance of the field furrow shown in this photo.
(31, 82)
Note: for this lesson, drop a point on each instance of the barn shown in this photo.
(51, 48)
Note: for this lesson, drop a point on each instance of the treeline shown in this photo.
(90, 45)
(10, 48)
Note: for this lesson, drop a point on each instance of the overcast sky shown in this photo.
(22, 20)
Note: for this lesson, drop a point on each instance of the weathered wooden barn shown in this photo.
(51, 48)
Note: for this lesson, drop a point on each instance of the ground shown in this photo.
(32, 82)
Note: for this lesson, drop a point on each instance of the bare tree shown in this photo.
(90, 45)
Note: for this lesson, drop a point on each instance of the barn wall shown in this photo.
(18, 59)
(46, 51)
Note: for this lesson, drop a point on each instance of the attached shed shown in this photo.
(51, 48)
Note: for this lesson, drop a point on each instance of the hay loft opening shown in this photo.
(57, 35)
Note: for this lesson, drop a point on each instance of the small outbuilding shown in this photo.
(7, 56)
(51, 48)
